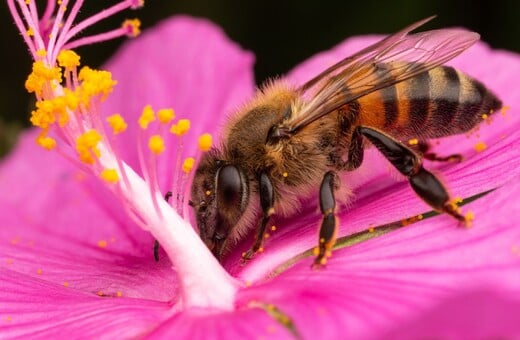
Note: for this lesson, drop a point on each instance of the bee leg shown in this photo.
(327, 234)
(425, 184)
(267, 204)
(423, 147)
(156, 244)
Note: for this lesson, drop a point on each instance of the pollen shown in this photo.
(147, 116)
(102, 244)
(39, 271)
(86, 146)
(119, 294)
(273, 228)
(117, 123)
(181, 128)
(41, 74)
(156, 144)
(100, 293)
(65, 284)
(413, 141)
(41, 53)
(68, 59)
(30, 32)
(469, 218)
(485, 116)
(48, 143)
(505, 109)
(205, 142)
(132, 27)
(110, 175)
(208, 192)
(371, 229)
(187, 165)
(480, 146)
(165, 115)
(94, 83)
(285, 174)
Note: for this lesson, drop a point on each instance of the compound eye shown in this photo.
(230, 188)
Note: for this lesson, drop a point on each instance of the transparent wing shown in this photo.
(396, 58)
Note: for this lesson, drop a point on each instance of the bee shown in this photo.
(289, 143)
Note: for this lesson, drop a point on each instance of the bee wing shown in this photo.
(396, 58)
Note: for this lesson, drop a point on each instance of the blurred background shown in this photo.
(280, 33)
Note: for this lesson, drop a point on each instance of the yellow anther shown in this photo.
(316, 251)
(48, 143)
(110, 175)
(86, 146)
(30, 32)
(147, 116)
(187, 165)
(182, 126)
(156, 144)
(41, 74)
(413, 141)
(165, 115)
(41, 53)
(94, 83)
(132, 26)
(205, 142)
(102, 243)
(480, 146)
(68, 59)
(117, 123)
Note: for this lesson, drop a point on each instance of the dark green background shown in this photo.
(280, 33)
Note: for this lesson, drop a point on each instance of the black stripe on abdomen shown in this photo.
(445, 103)
(419, 101)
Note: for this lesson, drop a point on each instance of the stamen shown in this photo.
(117, 123)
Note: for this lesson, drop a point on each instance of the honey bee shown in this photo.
(290, 143)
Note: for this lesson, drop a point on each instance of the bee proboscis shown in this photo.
(290, 142)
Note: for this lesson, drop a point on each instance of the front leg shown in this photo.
(267, 205)
(327, 234)
(424, 183)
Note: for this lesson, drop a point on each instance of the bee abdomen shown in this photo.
(444, 101)
(436, 103)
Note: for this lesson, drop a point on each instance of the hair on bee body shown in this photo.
(290, 143)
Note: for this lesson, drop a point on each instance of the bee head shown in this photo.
(219, 197)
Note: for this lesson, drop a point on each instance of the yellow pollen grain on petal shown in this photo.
(119, 294)
(371, 229)
(469, 218)
(181, 128)
(187, 165)
(205, 142)
(165, 115)
(48, 143)
(156, 144)
(273, 228)
(132, 26)
(68, 59)
(504, 109)
(39, 271)
(480, 146)
(102, 243)
(65, 284)
(147, 116)
(9, 261)
(8, 318)
(110, 175)
(100, 293)
(413, 141)
(117, 123)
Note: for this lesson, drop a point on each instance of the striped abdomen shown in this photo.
(436, 103)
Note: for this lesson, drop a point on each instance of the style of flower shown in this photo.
(75, 243)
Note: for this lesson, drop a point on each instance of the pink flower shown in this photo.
(74, 262)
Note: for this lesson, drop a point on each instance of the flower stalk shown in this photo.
(68, 113)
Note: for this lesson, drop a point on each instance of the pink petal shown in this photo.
(370, 287)
(248, 323)
(36, 308)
